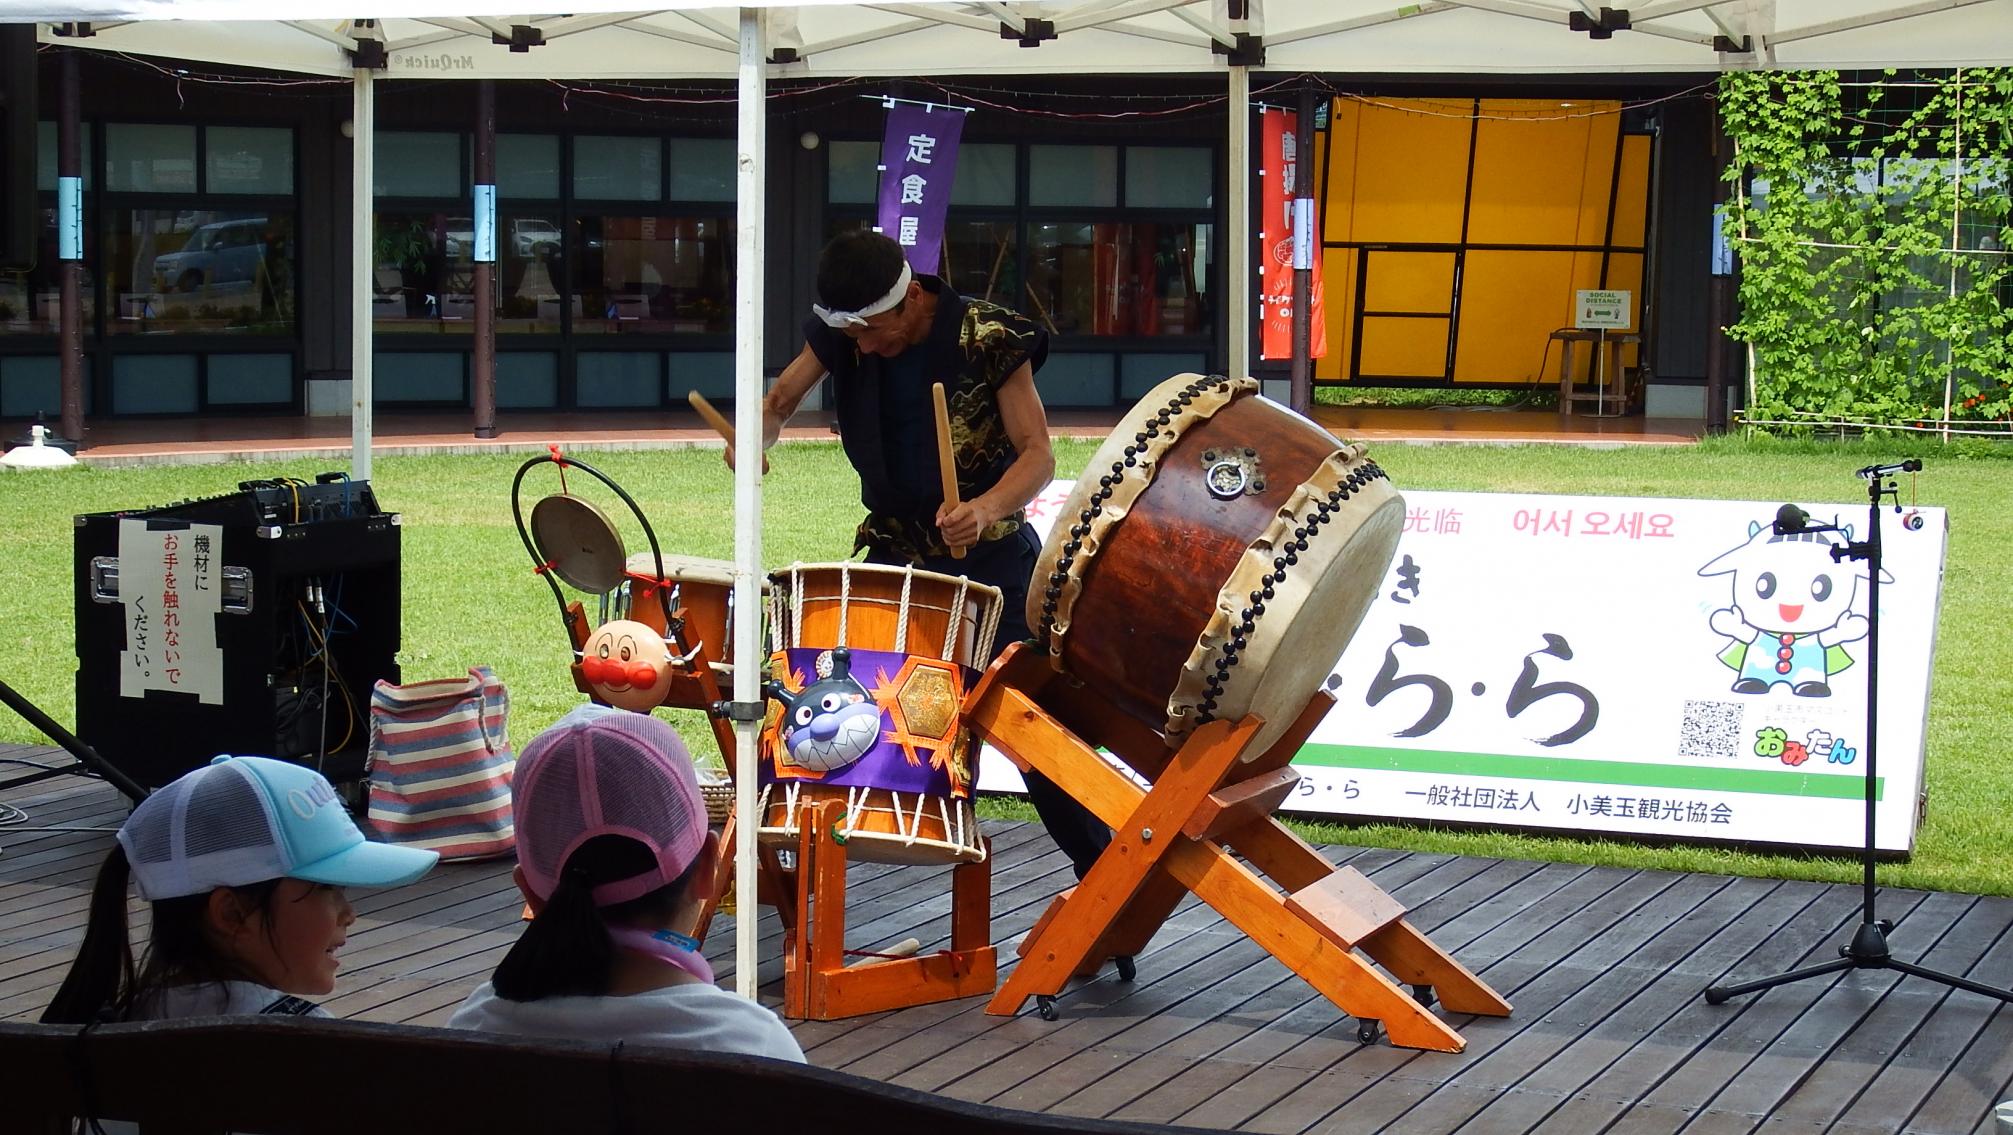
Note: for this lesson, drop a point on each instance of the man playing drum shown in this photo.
(885, 334)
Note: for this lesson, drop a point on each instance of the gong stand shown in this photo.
(1185, 833)
(569, 539)
(817, 982)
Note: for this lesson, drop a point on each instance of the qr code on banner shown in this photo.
(1710, 729)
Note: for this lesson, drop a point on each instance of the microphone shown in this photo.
(1790, 520)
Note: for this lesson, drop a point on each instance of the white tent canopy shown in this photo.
(598, 39)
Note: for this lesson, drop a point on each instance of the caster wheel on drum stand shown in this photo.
(1044, 1007)
(1423, 994)
(1126, 970)
(1366, 1030)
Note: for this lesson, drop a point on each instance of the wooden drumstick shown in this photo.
(718, 421)
(946, 467)
(713, 417)
(906, 948)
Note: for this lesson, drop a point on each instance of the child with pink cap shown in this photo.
(615, 860)
(245, 861)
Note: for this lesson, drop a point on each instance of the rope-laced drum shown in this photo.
(1214, 559)
(868, 677)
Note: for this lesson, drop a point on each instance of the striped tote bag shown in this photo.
(440, 765)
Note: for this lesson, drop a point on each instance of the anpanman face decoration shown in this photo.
(627, 665)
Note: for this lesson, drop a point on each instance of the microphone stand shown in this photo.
(89, 762)
(1868, 948)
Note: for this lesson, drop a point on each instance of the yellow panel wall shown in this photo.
(1541, 178)
(1510, 304)
(1409, 163)
(1397, 171)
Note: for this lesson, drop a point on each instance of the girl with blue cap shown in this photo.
(245, 861)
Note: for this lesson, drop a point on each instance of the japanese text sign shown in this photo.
(171, 585)
(919, 161)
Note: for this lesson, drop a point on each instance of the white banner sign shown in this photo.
(1668, 668)
(171, 584)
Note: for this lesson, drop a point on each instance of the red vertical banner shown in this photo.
(1280, 134)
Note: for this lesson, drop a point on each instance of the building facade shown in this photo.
(1457, 222)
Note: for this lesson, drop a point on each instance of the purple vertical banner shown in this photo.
(919, 159)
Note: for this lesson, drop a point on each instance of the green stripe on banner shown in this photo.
(1766, 782)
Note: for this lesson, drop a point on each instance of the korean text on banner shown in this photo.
(1276, 237)
(919, 160)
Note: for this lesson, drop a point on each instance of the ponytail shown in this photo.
(104, 983)
(101, 978)
(565, 950)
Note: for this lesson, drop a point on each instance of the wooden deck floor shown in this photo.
(1604, 966)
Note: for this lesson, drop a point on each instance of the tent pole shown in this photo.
(363, 178)
(751, 196)
(1237, 218)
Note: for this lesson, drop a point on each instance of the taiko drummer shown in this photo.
(885, 334)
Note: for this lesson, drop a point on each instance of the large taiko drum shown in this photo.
(1213, 560)
(704, 588)
(866, 681)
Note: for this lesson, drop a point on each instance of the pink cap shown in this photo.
(601, 771)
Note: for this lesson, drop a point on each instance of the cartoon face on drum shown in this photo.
(833, 722)
(627, 665)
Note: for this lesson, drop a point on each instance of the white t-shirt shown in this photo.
(696, 1016)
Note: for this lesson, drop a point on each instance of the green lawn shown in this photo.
(470, 595)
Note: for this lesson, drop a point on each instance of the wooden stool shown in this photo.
(1178, 836)
(1609, 378)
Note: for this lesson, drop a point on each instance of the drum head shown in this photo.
(688, 569)
(579, 542)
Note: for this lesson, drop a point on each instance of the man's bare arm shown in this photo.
(798, 379)
(1032, 469)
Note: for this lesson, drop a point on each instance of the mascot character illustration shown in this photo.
(1791, 612)
(833, 721)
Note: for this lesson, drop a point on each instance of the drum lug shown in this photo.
(1044, 1007)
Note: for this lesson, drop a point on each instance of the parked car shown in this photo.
(222, 252)
(460, 238)
(533, 236)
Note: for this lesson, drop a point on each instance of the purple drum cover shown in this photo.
(877, 720)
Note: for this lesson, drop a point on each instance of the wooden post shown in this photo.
(483, 372)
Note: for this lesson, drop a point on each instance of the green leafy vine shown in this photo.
(1873, 226)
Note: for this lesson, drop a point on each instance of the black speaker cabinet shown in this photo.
(253, 624)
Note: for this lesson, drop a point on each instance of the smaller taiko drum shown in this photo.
(866, 683)
(704, 588)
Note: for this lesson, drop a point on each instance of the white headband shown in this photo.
(845, 319)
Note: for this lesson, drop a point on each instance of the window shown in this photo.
(654, 274)
(199, 270)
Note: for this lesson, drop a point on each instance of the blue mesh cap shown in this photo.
(243, 820)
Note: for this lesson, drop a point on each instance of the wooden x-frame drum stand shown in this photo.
(1178, 835)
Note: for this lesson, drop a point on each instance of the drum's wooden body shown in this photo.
(904, 611)
(1214, 559)
(884, 608)
(704, 588)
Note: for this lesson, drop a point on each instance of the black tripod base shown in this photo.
(1867, 950)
